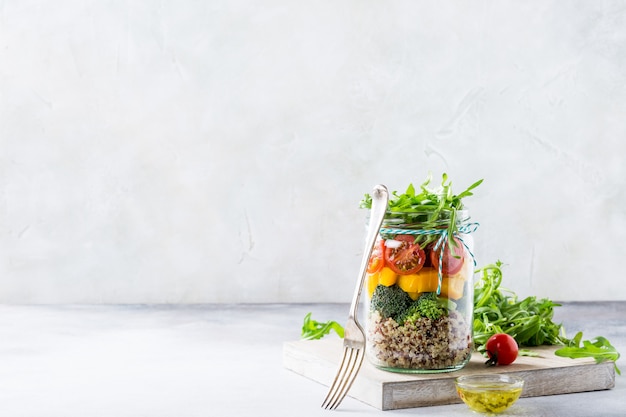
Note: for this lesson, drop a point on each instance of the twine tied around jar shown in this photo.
(441, 242)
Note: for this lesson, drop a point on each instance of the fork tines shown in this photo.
(348, 370)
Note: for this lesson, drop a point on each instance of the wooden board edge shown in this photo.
(597, 377)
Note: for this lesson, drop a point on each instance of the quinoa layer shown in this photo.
(422, 345)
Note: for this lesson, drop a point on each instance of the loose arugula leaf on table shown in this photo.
(313, 330)
(600, 349)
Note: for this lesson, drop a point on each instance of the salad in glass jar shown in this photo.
(419, 302)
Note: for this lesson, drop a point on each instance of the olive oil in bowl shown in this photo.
(489, 393)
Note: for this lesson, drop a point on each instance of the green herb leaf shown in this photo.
(600, 349)
(526, 352)
(410, 191)
(313, 330)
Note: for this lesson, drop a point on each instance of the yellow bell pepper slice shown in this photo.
(414, 295)
(372, 283)
(425, 280)
(387, 277)
(452, 287)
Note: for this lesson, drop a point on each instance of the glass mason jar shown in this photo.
(419, 293)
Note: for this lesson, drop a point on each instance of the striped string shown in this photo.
(441, 242)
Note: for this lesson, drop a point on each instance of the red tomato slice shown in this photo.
(376, 261)
(451, 264)
(404, 256)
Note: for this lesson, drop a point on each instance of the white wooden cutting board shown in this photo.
(546, 374)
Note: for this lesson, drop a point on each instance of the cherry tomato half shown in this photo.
(376, 261)
(453, 258)
(404, 256)
(502, 349)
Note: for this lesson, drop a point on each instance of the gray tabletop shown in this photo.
(219, 360)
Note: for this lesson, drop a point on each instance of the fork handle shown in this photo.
(380, 199)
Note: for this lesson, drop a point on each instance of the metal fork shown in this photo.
(354, 336)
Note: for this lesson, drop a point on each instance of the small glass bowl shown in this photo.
(489, 393)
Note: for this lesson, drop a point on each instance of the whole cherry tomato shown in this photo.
(502, 349)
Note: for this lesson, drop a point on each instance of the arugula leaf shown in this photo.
(600, 349)
(468, 193)
(313, 330)
(526, 352)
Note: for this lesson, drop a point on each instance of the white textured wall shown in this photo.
(216, 151)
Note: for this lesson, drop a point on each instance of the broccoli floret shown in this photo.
(425, 306)
(390, 301)
(429, 307)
